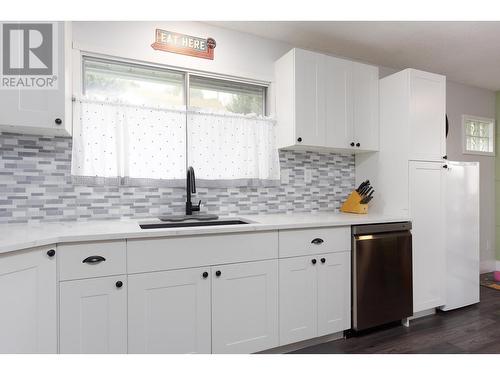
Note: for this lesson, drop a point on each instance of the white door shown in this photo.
(169, 312)
(28, 312)
(334, 292)
(298, 299)
(93, 315)
(427, 216)
(309, 98)
(364, 97)
(245, 307)
(338, 119)
(38, 110)
(427, 136)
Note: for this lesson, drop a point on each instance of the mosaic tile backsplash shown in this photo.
(35, 185)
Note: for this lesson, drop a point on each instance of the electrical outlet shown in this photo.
(308, 176)
(285, 176)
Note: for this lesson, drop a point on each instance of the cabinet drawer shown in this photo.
(314, 241)
(91, 259)
(197, 251)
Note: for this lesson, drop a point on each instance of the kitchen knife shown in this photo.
(362, 185)
(365, 190)
(367, 198)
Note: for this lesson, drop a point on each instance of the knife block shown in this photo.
(353, 205)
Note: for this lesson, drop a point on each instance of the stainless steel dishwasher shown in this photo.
(382, 287)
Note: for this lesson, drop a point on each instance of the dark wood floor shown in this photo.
(473, 329)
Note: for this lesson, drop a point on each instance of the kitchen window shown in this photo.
(143, 125)
(478, 135)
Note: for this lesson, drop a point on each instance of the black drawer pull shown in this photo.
(323, 260)
(313, 261)
(51, 253)
(218, 273)
(94, 259)
(119, 284)
(317, 241)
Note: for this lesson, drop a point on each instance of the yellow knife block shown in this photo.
(353, 205)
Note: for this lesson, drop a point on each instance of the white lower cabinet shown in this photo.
(28, 291)
(314, 296)
(245, 307)
(169, 312)
(334, 292)
(298, 299)
(429, 252)
(93, 315)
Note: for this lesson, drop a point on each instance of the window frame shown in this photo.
(79, 78)
(465, 119)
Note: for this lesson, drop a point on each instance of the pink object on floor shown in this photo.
(496, 275)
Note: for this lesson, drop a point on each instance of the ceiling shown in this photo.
(466, 52)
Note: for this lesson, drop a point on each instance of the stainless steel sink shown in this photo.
(192, 224)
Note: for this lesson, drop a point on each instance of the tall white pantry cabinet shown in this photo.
(409, 172)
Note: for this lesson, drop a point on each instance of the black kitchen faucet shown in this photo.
(191, 188)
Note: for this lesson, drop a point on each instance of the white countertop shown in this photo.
(15, 237)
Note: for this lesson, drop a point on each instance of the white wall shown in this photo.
(467, 100)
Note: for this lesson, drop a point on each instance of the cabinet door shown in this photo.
(36, 110)
(298, 299)
(245, 307)
(310, 98)
(427, 137)
(169, 312)
(93, 316)
(364, 97)
(334, 292)
(427, 216)
(28, 312)
(338, 122)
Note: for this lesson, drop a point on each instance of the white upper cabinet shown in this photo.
(427, 134)
(28, 313)
(326, 102)
(34, 110)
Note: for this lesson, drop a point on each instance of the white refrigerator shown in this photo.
(462, 234)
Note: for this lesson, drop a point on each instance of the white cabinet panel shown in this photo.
(34, 111)
(169, 312)
(297, 242)
(310, 97)
(365, 106)
(339, 132)
(298, 299)
(334, 292)
(427, 215)
(93, 315)
(245, 307)
(28, 312)
(427, 116)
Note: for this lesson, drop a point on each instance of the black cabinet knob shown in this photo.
(323, 260)
(51, 253)
(313, 261)
(205, 275)
(445, 157)
(352, 144)
(445, 166)
(358, 144)
(218, 273)
(119, 284)
(299, 139)
(58, 121)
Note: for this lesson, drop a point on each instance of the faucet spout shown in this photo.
(191, 189)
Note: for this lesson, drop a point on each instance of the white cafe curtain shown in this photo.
(120, 144)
